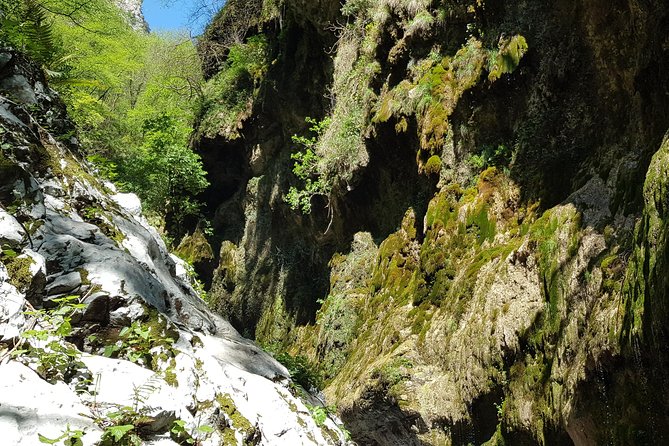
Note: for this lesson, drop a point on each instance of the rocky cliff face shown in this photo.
(102, 336)
(486, 262)
(134, 10)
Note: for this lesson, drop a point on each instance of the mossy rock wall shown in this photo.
(510, 264)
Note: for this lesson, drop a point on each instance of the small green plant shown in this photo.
(318, 413)
(196, 283)
(69, 437)
(121, 435)
(135, 343)
(306, 168)
(55, 359)
(301, 370)
(491, 156)
(123, 427)
(106, 167)
(180, 433)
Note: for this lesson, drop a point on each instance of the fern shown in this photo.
(141, 394)
(28, 27)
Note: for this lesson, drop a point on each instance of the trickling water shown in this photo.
(643, 388)
(601, 385)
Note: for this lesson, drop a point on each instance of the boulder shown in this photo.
(20, 88)
(64, 283)
(12, 304)
(124, 384)
(12, 233)
(129, 202)
(29, 407)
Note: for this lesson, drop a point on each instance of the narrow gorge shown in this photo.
(397, 222)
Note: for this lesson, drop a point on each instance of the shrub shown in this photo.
(230, 93)
(165, 173)
(53, 357)
(491, 156)
(306, 168)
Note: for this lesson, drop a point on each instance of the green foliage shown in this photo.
(183, 436)
(122, 427)
(306, 168)
(135, 343)
(355, 7)
(120, 85)
(507, 57)
(491, 156)
(167, 174)
(301, 370)
(228, 96)
(35, 27)
(69, 437)
(27, 26)
(318, 413)
(53, 358)
(121, 435)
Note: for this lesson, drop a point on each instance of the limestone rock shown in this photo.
(21, 88)
(29, 406)
(65, 283)
(11, 232)
(12, 304)
(129, 202)
(134, 10)
(98, 247)
(122, 383)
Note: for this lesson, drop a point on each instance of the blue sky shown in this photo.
(170, 15)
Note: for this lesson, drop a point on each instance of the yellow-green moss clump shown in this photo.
(195, 248)
(437, 86)
(433, 165)
(237, 422)
(18, 269)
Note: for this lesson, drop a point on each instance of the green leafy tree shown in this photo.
(132, 94)
(167, 174)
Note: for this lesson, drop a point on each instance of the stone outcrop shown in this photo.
(133, 8)
(98, 318)
(492, 156)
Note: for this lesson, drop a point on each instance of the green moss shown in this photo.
(238, 422)
(483, 226)
(170, 375)
(229, 95)
(195, 248)
(10, 171)
(337, 328)
(159, 326)
(18, 269)
(394, 372)
(507, 57)
(442, 207)
(97, 216)
(433, 165)
(83, 274)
